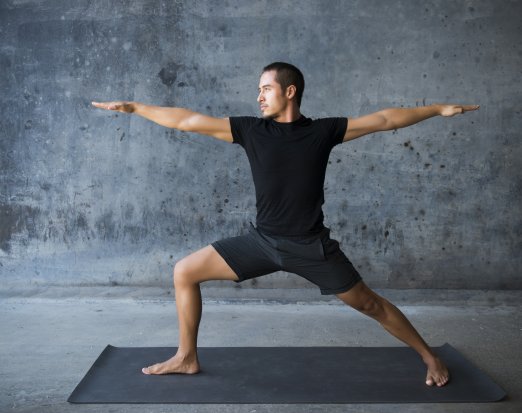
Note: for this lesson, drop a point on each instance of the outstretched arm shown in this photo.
(177, 118)
(396, 118)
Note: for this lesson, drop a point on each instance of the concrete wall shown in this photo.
(91, 197)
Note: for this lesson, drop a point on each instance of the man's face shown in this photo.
(271, 99)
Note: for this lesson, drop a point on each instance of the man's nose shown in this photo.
(260, 97)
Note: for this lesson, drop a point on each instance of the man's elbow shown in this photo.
(386, 121)
(185, 125)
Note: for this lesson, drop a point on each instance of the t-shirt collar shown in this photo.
(298, 121)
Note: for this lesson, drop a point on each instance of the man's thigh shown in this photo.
(204, 265)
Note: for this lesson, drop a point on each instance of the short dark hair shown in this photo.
(286, 75)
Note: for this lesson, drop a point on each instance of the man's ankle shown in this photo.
(186, 355)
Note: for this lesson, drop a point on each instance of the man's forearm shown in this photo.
(397, 118)
(165, 116)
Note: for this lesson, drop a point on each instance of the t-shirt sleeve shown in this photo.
(337, 129)
(240, 125)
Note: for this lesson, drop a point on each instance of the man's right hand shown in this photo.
(125, 107)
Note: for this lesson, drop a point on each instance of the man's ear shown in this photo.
(291, 91)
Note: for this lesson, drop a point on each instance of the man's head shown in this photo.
(279, 84)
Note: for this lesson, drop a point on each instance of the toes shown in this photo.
(443, 379)
(438, 381)
(151, 369)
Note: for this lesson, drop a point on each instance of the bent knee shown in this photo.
(182, 273)
(370, 306)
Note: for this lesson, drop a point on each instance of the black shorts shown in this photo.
(318, 258)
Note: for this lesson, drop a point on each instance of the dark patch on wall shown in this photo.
(81, 222)
(15, 219)
(106, 226)
(169, 73)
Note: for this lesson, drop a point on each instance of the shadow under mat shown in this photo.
(287, 375)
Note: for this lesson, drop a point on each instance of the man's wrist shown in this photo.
(437, 108)
(136, 107)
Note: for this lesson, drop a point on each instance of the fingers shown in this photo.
(127, 107)
(467, 108)
(107, 105)
(452, 110)
(460, 109)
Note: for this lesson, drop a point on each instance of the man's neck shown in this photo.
(288, 116)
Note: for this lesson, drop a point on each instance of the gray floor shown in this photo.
(51, 337)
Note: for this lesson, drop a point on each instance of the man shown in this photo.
(288, 155)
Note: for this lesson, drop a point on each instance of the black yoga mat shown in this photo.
(271, 375)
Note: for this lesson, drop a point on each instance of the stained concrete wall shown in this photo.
(91, 197)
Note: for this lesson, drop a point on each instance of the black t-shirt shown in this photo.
(288, 162)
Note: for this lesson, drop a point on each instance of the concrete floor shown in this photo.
(50, 338)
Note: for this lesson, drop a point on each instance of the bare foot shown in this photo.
(177, 364)
(437, 372)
